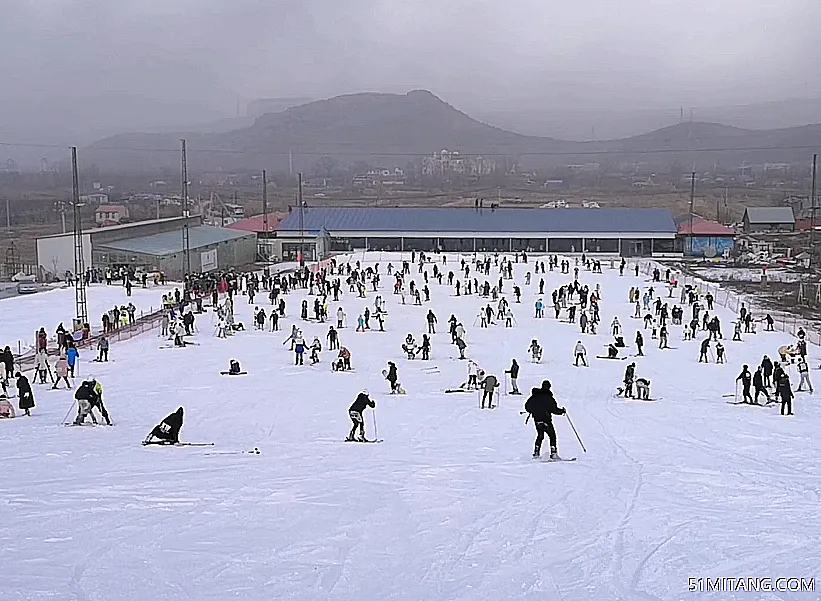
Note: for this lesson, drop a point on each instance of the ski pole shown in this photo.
(70, 409)
(375, 431)
(575, 432)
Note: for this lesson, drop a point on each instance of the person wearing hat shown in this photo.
(542, 407)
(362, 402)
(746, 380)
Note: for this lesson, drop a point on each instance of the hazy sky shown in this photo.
(81, 69)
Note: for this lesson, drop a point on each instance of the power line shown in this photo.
(488, 153)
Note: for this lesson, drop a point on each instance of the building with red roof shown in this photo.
(706, 239)
(265, 239)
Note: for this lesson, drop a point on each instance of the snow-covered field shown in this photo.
(21, 317)
(450, 507)
(746, 274)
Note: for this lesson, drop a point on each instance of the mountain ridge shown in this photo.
(378, 127)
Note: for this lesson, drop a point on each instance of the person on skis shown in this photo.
(362, 402)
(542, 407)
(580, 353)
(513, 372)
(758, 384)
(167, 431)
(746, 379)
(535, 351)
(804, 373)
(489, 385)
(392, 376)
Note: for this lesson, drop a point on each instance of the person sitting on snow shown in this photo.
(612, 352)
(168, 430)
(234, 368)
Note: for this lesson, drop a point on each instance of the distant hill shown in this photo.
(392, 129)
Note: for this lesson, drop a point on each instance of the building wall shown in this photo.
(105, 236)
(701, 244)
(58, 252)
(231, 253)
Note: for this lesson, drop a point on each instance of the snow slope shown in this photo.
(449, 507)
(21, 317)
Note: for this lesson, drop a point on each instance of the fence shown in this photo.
(784, 322)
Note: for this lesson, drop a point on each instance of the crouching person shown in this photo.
(167, 431)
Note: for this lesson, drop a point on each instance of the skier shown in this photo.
(767, 370)
(472, 382)
(489, 386)
(746, 379)
(615, 327)
(783, 390)
(316, 347)
(804, 372)
(72, 355)
(705, 346)
(535, 351)
(720, 353)
(7, 358)
(102, 349)
(580, 353)
(85, 396)
(461, 345)
(392, 377)
(24, 393)
(758, 384)
(167, 431)
(514, 375)
(629, 376)
(542, 407)
(234, 368)
(362, 402)
(643, 389)
(299, 347)
(340, 318)
(62, 372)
(639, 343)
(431, 322)
(425, 347)
(42, 367)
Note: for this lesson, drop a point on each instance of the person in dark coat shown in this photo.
(362, 402)
(758, 384)
(168, 430)
(766, 370)
(24, 393)
(514, 376)
(542, 407)
(746, 380)
(392, 376)
(784, 390)
(7, 358)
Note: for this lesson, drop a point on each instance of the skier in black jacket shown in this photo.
(542, 407)
(362, 402)
(168, 430)
(746, 380)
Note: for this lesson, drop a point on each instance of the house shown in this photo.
(98, 198)
(706, 238)
(769, 219)
(110, 214)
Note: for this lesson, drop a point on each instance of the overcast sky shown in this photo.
(81, 69)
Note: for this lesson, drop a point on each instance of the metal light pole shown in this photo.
(186, 240)
(80, 302)
(301, 225)
(692, 206)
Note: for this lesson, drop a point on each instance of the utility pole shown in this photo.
(8, 215)
(301, 225)
(80, 302)
(290, 162)
(812, 201)
(692, 207)
(265, 212)
(186, 239)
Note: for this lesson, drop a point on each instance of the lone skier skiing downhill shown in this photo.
(542, 407)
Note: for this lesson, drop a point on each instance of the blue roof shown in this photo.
(468, 220)
(168, 243)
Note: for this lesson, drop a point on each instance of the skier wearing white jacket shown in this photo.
(804, 372)
(580, 353)
(616, 326)
(340, 318)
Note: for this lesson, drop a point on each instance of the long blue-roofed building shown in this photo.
(618, 231)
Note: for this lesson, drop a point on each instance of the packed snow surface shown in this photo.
(450, 506)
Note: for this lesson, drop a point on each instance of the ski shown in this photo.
(548, 460)
(366, 440)
(227, 373)
(254, 451)
(614, 358)
(178, 444)
(452, 390)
